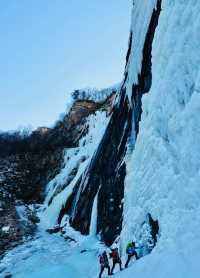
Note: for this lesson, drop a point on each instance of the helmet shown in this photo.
(133, 243)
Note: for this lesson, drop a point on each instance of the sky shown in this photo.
(48, 48)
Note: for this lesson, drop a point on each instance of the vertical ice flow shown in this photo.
(93, 223)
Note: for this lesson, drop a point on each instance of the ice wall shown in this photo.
(164, 170)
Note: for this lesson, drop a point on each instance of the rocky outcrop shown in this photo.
(16, 225)
(27, 166)
(71, 129)
(24, 175)
(10, 232)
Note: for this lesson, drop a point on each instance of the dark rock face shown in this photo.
(23, 179)
(129, 48)
(10, 232)
(148, 234)
(54, 230)
(26, 174)
(72, 128)
(154, 224)
(8, 276)
(107, 170)
(13, 229)
(106, 175)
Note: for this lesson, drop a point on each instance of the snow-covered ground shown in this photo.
(50, 256)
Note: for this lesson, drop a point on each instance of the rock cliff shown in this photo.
(28, 163)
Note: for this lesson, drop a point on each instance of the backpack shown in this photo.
(115, 255)
(130, 249)
(103, 259)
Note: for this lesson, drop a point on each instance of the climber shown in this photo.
(116, 259)
(103, 260)
(131, 251)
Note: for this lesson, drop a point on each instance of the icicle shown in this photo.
(93, 223)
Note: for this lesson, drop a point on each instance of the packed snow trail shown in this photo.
(50, 256)
(53, 257)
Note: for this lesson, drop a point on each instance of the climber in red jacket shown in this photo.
(116, 259)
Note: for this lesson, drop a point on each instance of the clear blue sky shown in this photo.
(51, 47)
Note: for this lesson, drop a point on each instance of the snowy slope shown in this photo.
(51, 256)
